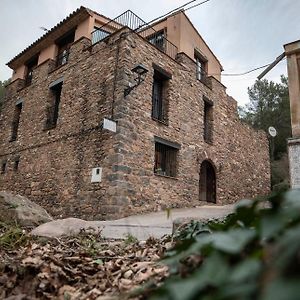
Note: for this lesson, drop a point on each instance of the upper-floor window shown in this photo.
(53, 106)
(160, 99)
(16, 121)
(158, 39)
(30, 65)
(208, 121)
(99, 34)
(64, 44)
(201, 66)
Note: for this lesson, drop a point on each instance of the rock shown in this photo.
(66, 227)
(20, 210)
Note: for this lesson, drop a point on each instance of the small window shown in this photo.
(3, 167)
(157, 39)
(16, 164)
(208, 121)
(165, 160)
(53, 106)
(30, 65)
(160, 101)
(16, 121)
(201, 67)
(64, 44)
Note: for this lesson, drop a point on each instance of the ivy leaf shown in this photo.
(271, 225)
(282, 289)
(246, 270)
(233, 241)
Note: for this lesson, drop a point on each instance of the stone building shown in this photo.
(105, 118)
(292, 52)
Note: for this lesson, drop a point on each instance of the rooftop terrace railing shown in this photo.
(131, 20)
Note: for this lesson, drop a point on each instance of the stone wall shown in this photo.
(239, 153)
(55, 165)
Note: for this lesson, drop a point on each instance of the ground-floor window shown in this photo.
(166, 158)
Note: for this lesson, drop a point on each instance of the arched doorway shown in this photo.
(207, 182)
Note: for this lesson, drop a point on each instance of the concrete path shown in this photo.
(154, 224)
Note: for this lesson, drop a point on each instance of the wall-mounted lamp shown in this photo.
(140, 72)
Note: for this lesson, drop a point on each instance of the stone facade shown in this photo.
(55, 165)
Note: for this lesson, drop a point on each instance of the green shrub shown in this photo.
(252, 254)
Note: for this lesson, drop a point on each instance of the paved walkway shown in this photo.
(154, 224)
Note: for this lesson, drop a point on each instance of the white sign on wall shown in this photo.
(96, 174)
(109, 125)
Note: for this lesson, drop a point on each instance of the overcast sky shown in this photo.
(243, 34)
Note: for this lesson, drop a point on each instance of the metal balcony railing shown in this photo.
(131, 20)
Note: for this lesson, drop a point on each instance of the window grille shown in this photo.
(165, 160)
(159, 97)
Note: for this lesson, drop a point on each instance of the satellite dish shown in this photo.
(272, 131)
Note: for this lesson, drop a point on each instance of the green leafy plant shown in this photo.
(12, 236)
(252, 254)
(130, 239)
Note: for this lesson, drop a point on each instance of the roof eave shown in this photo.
(49, 37)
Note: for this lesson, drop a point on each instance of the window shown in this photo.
(201, 67)
(16, 164)
(30, 65)
(3, 167)
(165, 157)
(16, 121)
(208, 121)
(64, 44)
(157, 39)
(99, 34)
(160, 103)
(53, 106)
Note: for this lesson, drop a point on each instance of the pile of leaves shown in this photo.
(253, 254)
(81, 267)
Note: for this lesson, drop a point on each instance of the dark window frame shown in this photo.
(201, 66)
(160, 97)
(64, 43)
(208, 121)
(166, 158)
(158, 39)
(16, 121)
(52, 111)
(30, 66)
(16, 164)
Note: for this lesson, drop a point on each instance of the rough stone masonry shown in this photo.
(53, 166)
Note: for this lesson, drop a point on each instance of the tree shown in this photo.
(2, 90)
(269, 106)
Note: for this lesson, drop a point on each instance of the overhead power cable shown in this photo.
(177, 8)
(244, 73)
(247, 72)
(193, 6)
